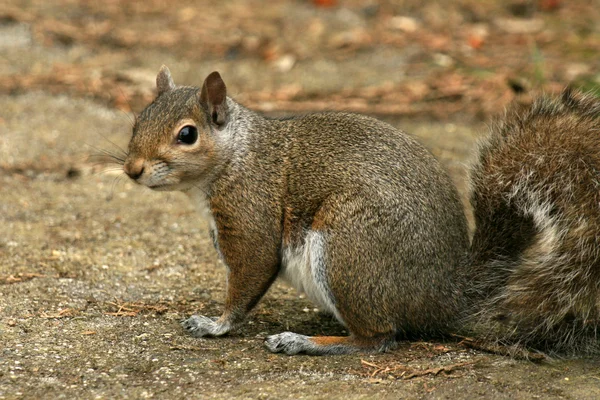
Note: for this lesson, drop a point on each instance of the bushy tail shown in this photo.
(536, 248)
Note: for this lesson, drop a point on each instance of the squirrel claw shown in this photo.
(201, 326)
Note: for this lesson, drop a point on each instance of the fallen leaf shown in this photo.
(325, 3)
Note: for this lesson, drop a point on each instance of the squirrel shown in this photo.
(364, 220)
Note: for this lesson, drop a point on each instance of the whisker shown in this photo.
(106, 171)
(112, 187)
(98, 161)
(119, 149)
(108, 167)
(131, 121)
(106, 158)
(185, 164)
(101, 162)
(202, 190)
(123, 153)
(119, 157)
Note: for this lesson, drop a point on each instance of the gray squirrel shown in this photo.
(364, 220)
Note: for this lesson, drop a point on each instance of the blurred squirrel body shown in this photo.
(364, 220)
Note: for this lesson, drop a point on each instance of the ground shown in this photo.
(96, 272)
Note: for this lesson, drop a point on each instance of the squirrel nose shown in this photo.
(134, 169)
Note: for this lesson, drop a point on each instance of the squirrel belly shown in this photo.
(304, 268)
(536, 202)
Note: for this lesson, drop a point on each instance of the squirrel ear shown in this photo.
(214, 94)
(164, 82)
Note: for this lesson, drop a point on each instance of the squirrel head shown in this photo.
(178, 139)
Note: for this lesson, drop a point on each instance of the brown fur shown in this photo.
(365, 344)
(536, 198)
(391, 232)
(363, 219)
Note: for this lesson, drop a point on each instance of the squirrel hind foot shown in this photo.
(292, 343)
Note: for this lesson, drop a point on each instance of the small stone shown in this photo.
(519, 26)
(404, 24)
(285, 63)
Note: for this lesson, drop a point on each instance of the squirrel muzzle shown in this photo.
(134, 168)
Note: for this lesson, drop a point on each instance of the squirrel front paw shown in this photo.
(289, 343)
(201, 326)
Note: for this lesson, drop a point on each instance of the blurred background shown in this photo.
(406, 57)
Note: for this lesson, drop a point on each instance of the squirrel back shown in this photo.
(535, 253)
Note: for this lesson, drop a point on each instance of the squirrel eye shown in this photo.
(187, 135)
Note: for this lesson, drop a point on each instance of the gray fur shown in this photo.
(364, 219)
(378, 202)
(201, 326)
(535, 254)
(164, 81)
(291, 343)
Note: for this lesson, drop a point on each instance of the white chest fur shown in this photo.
(199, 200)
(304, 268)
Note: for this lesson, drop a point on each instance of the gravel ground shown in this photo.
(97, 272)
